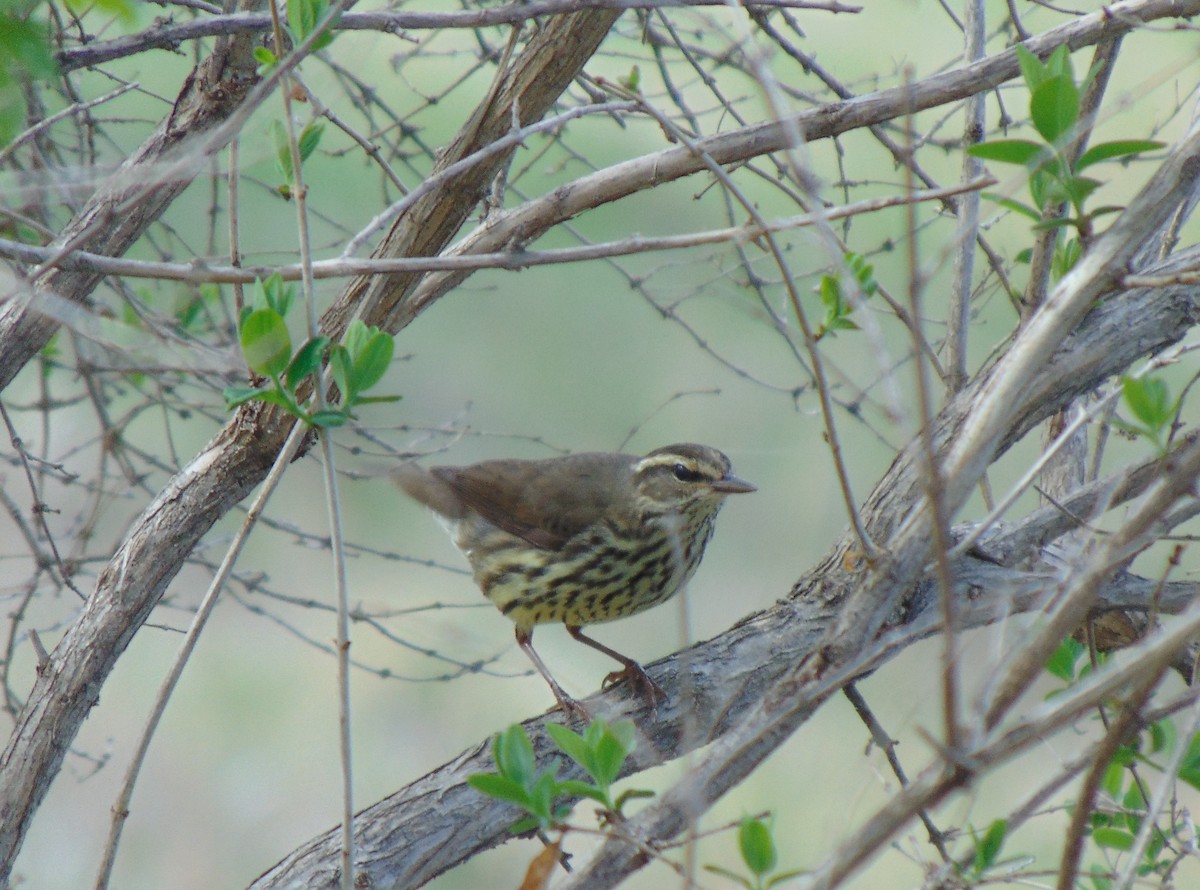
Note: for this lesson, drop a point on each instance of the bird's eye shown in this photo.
(685, 473)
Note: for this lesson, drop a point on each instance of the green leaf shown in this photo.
(25, 47)
(1033, 72)
(575, 788)
(1062, 663)
(1114, 776)
(758, 849)
(265, 58)
(1156, 845)
(339, 363)
(1135, 806)
(1189, 769)
(239, 395)
(864, 273)
(1079, 188)
(1149, 400)
(303, 16)
(1054, 107)
(542, 795)
(608, 758)
(1058, 64)
(1015, 206)
(306, 361)
(1010, 151)
(1066, 255)
(283, 151)
(369, 400)
(356, 336)
(122, 8)
(1046, 183)
(499, 787)
(310, 138)
(570, 743)
(1100, 879)
(988, 848)
(329, 417)
(523, 826)
(273, 293)
(830, 291)
(1121, 148)
(372, 360)
(266, 343)
(12, 109)
(1162, 736)
(273, 396)
(514, 755)
(1055, 223)
(1113, 838)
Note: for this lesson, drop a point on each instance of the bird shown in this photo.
(581, 538)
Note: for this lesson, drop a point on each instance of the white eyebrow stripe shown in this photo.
(664, 460)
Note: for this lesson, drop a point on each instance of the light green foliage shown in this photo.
(123, 9)
(837, 305)
(760, 856)
(601, 751)
(25, 54)
(358, 362)
(1055, 178)
(1064, 663)
(1121, 805)
(266, 59)
(303, 18)
(307, 142)
(987, 850)
(518, 781)
(1153, 410)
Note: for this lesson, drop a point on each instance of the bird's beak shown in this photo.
(732, 485)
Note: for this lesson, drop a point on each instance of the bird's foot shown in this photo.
(637, 677)
(571, 707)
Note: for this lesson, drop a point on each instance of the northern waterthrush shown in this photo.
(580, 539)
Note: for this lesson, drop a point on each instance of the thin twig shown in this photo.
(885, 743)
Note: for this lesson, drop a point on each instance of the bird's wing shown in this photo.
(544, 502)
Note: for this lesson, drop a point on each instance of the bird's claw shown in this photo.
(637, 677)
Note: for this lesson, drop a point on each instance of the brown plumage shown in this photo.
(580, 539)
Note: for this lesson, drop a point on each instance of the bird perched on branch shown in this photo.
(580, 539)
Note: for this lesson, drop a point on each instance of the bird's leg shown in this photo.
(568, 704)
(634, 672)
